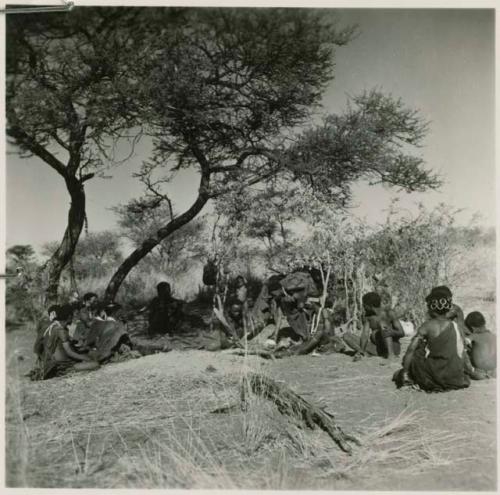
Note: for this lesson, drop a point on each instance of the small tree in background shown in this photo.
(413, 253)
(96, 255)
(23, 299)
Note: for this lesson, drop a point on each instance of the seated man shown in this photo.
(381, 333)
(58, 356)
(482, 346)
(230, 327)
(165, 312)
(435, 359)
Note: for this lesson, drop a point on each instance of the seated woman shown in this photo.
(435, 359)
(107, 335)
(57, 356)
(482, 346)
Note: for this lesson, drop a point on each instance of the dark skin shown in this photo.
(64, 349)
(87, 316)
(382, 320)
(427, 331)
(483, 348)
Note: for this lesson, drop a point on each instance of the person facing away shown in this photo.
(381, 333)
(58, 356)
(483, 345)
(455, 313)
(435, 359)
(165, 312)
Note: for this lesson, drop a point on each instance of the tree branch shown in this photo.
(37, 149)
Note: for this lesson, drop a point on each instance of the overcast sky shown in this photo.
(439, 61)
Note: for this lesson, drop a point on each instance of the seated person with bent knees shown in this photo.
(57, 355)
(165, 312)
(436, 358)
(381, 330)
(483, 346)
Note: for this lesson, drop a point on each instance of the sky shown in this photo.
(440, 62)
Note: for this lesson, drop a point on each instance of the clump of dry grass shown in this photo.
(17, 437)
(402, 444)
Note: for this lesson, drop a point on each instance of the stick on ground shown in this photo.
(291, 404)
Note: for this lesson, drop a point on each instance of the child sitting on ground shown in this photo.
(482, 346)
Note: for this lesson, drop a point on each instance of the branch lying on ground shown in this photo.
(291, 404)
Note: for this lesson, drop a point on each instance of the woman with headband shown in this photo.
(436, 357)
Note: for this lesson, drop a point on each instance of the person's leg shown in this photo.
(353, 341)
(384, 343)
(86, 366)
(396, 346)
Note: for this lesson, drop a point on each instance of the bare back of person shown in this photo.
(484, 350)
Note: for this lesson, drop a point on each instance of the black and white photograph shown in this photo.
(249, 247)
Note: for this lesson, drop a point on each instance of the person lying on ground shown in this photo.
(381, 333)
(58, 356)
(435, 359)
(482, 346)
(165, 311)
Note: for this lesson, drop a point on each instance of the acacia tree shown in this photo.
(67, 101)
(223, 88)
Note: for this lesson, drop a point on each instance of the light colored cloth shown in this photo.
(408, 328)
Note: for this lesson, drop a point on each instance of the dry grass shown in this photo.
(166, 437)
(403, 445)
(17, 436)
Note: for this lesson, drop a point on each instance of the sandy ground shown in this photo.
(95, 429)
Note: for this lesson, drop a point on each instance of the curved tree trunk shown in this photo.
(65, 251)
(149, 244)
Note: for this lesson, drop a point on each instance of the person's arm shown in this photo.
(64, 337)
(397, 329)
(420, 335)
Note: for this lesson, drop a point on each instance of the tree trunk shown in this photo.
(149, 244)
(65, 251)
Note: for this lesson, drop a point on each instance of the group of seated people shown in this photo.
(446, 351)
(78, 336)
